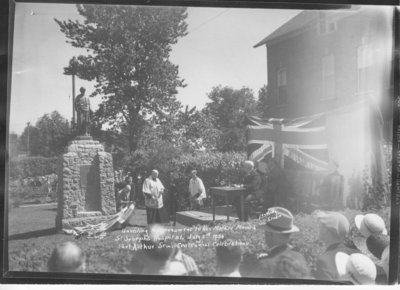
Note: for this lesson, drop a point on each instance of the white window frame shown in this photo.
(281, 77)
(324, 24)
(328, 75)
(364, 62)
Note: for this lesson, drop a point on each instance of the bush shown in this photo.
(214, 168)
(33, 166)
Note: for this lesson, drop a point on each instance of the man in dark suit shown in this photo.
(278, 229)
(251, 183)
(334, 228)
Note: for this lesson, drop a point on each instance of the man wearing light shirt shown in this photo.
(153, 191)
(197, 191)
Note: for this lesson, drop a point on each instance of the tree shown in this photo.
(228, 109)
(48, 137)
(197, 129)
(128, 57)
(264, 102)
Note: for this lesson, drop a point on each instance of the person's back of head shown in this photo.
(67, 257)
(228, 257)
(291, 265)
(158, 247)
(334, 226)
(376, 244)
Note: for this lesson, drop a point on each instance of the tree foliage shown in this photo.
(48, 137)
(128, 57)
(263, 102)
(227, 110)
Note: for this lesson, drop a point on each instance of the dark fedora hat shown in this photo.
(279, 220)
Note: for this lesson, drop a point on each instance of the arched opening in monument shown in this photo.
(90, 185)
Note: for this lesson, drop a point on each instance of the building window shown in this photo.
(326, 25)
(328, 77)
(364, 63)
(281, 77)
(282, 82)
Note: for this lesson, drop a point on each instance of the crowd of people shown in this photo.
(341, 259)
(339, 262)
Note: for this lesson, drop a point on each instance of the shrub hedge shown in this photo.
(33, 166)
(214, 168)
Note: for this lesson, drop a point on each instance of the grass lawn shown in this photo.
(33, 237)
(32, 218)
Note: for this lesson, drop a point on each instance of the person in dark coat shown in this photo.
(252, 182)
(334, 228)
(275, 177)
(278, 229)
(331, 189)
(376, 244)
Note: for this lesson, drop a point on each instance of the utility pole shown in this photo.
(72, 70)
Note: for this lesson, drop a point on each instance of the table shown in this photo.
(227, 191)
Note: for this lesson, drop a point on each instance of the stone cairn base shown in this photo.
(86, 184)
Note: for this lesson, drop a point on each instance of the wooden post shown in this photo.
(278, 150)
(73, 100)
(27, 145)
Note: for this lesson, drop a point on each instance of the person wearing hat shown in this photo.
(370, 224)
(334, 228)
(357, 268)
(278, 229)
(376, 244)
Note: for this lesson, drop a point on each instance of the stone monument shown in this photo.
(85, 193)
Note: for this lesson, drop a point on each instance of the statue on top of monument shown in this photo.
(82, 107)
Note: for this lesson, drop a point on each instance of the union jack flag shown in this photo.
(302, 139)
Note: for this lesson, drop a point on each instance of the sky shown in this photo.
(218, 50)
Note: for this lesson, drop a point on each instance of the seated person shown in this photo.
(67, 257)
(252, 181)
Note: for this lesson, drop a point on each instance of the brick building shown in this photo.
(323, 60)
(336, 64)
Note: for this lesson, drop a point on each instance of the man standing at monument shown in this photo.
(82, 107)
(153, 191)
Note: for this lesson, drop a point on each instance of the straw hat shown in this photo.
(279, 220)
(357, 268)
(370, 224)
